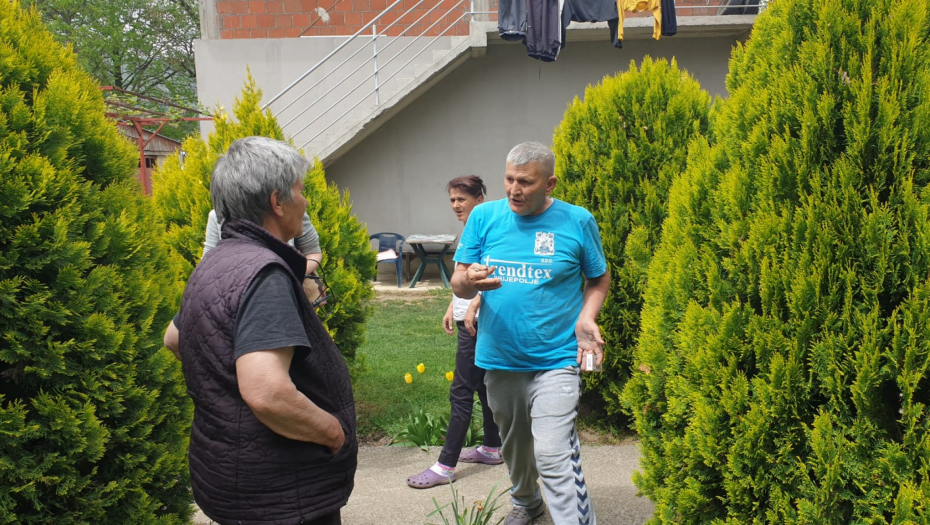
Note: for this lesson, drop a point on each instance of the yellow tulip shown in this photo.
(421, 368)
(450, 374)
(408, 378)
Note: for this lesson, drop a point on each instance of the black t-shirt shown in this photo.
(268, 317)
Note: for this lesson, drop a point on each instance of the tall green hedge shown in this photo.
(181, 191)
(93, 415)
(782, 368)
(618, 152)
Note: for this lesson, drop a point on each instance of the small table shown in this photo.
(417, 241)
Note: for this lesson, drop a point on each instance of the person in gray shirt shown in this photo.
(308, 244)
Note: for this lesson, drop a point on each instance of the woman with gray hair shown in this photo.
(308, 243)
(273, 438)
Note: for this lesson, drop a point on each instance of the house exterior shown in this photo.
(427, 91)
(157, 149)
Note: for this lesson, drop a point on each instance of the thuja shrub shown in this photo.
(617, 153)
(93, 415)
(348, 261)
(782, 368)
(181, 191)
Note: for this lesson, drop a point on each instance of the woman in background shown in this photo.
(464, 193)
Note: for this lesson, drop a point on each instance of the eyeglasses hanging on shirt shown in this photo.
(320, 294)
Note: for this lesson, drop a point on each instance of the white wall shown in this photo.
(469, 121)
(465, 125)
(277, 62)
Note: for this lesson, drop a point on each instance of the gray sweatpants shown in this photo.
(536, 414)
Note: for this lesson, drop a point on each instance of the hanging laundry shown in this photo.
(511, 20)
(546, 21)
(546, 44)
(669, 18)
(544, 37)
(637, 6)
(591, 11)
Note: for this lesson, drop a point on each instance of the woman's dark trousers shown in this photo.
(468, 380)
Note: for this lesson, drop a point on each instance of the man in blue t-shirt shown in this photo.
(529, 255)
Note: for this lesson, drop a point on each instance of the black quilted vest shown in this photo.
(241, 471)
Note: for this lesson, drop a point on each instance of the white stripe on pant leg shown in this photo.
(585, 510)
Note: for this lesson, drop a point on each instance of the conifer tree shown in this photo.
(782, 367)
(181, 192)
(617, 153)
(93, 415)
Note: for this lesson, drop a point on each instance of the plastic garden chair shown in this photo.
(391, 241)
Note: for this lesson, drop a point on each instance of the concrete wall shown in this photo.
(465, 124)
(275, 63)
(470, 120)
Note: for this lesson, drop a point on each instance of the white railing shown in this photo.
(381, 73)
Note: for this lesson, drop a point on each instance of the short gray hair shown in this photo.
(251, 170)
(533, 153)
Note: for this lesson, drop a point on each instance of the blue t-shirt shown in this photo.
(528, 323)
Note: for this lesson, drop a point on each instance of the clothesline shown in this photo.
(541, 24)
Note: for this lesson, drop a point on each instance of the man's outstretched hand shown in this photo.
(477, 276)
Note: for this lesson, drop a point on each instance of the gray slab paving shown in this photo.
(382, 497)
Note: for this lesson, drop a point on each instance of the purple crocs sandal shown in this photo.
(428, 478)
(476, 456)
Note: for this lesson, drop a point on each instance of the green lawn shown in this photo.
(403, 331)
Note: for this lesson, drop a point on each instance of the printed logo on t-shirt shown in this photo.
(521, 272)
(545, 243)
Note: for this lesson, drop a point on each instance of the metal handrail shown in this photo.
(374, 48)
(417, 21)
(361, 83)
(327, 57)
(350, 57)
(346, 112)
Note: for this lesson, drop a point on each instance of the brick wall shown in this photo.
(707, 7)
(294, 18)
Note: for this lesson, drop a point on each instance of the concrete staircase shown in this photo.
(336, 107)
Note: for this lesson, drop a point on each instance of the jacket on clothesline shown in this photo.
(638, 6)
(543, 24)
(669, 18)
(511, 20)
(548, 20)
(544, 35)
